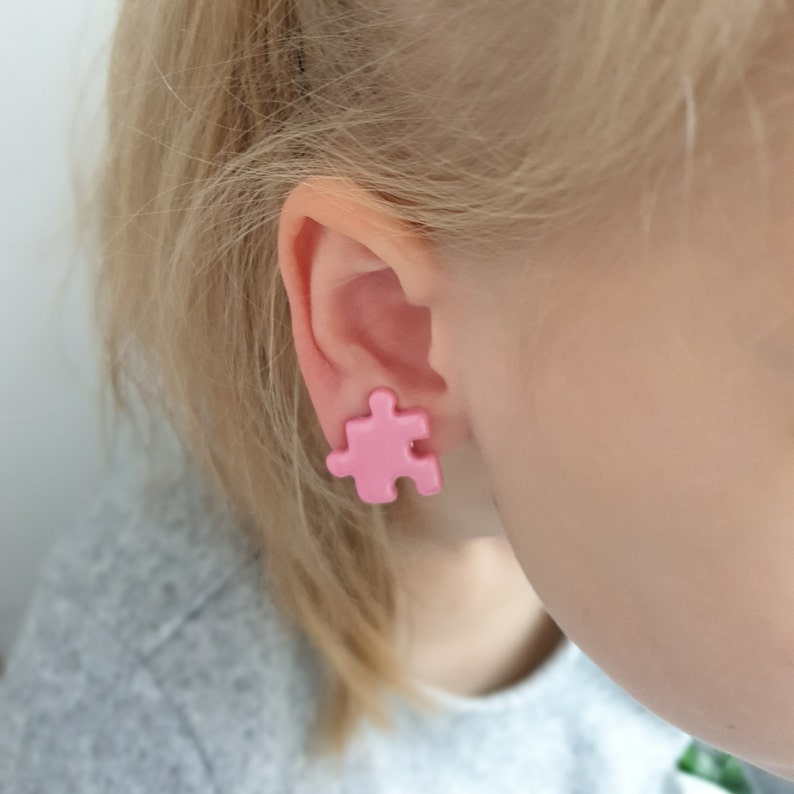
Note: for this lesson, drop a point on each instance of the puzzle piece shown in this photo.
(380, 449)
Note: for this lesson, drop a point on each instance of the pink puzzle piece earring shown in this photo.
(380, 449)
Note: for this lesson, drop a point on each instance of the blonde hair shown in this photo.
(482, 124)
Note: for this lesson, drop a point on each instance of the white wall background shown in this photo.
(52, 58)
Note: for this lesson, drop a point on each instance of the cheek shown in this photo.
(645, 486)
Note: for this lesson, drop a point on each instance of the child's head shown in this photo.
(561, 230)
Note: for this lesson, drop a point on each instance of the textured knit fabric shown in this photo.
(153, 662)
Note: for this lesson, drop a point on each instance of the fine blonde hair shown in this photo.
(482, 124)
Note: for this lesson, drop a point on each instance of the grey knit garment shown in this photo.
(152, 661)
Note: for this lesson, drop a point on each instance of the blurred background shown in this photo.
(53, 56)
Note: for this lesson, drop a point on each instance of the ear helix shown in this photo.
(380, 449)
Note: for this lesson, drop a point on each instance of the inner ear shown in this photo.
(371, 312)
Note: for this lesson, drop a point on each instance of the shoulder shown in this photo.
(152, 653)
(147, 551)
(83, 714)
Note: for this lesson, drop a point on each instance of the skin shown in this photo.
(614, 417)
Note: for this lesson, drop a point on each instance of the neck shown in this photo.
(469, 620)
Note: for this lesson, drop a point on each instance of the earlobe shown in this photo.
(350, 279)
(381, 448)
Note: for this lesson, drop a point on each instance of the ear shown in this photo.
(365, 295)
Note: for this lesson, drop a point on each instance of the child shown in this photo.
(542, 254)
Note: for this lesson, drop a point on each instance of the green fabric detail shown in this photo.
(715, 766)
